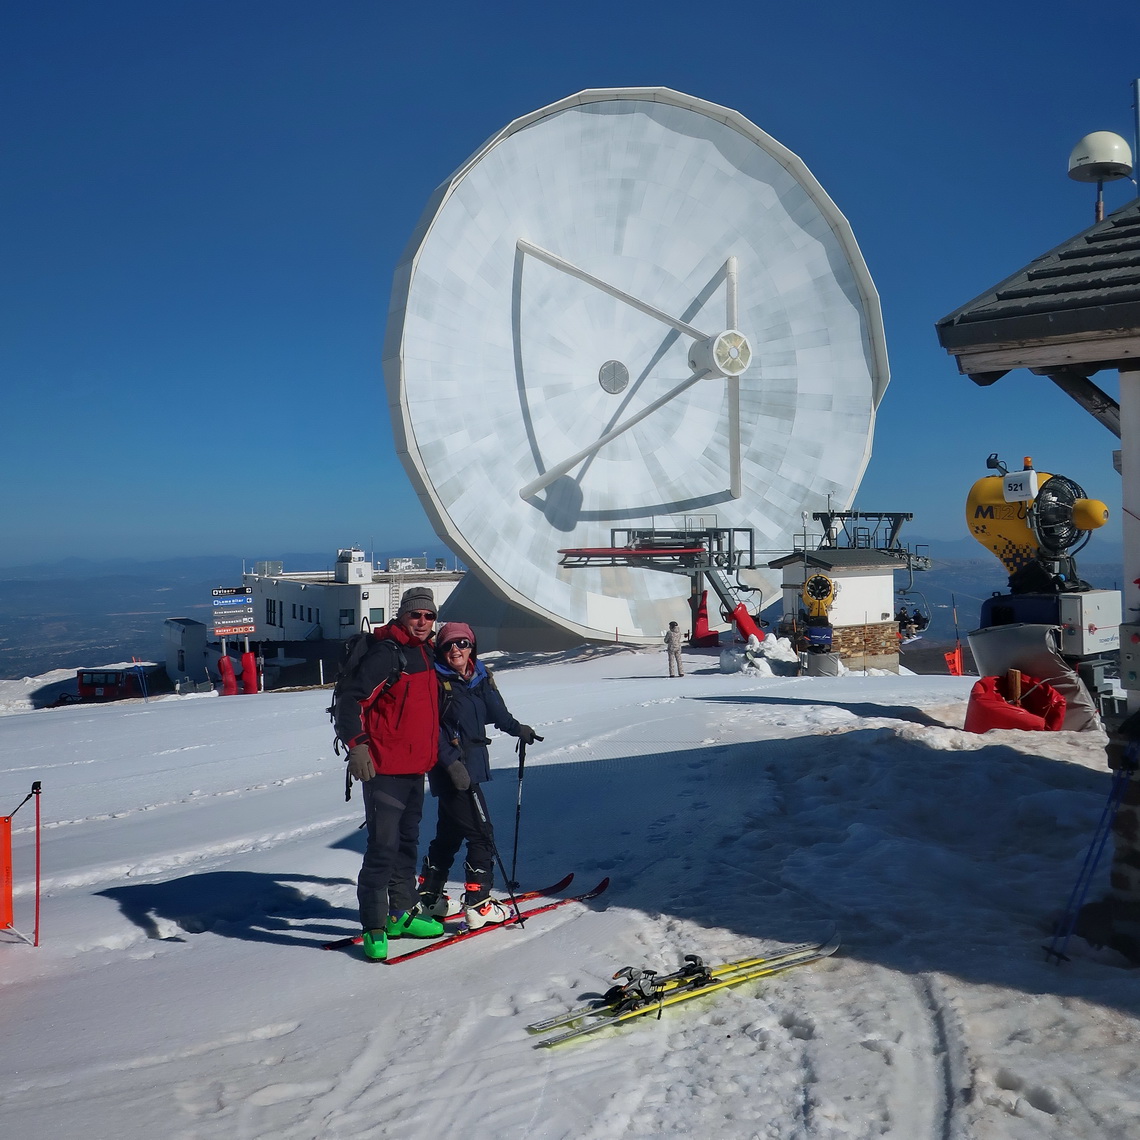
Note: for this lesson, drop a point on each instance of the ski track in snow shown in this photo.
(192, 797)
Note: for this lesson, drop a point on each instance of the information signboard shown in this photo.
(232, 611)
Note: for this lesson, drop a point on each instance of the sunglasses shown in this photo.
(461, 643)
(421, 615)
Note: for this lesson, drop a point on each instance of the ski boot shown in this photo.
(486, 913)
(479, 909)
(412, 924)
(434, 900)
(375, 945)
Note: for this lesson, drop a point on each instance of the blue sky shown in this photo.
(201, 205)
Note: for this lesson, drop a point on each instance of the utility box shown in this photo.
(1090, 622)
(1130, 657)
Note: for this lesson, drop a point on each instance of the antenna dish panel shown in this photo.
(630, 308)
(1100, 157)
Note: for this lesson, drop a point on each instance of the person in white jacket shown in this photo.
(673, 639)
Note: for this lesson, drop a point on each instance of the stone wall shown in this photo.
(871, 646)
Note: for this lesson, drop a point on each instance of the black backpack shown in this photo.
(356, 649)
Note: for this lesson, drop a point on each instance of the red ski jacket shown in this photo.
(400, 726)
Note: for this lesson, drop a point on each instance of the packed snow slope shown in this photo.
(198, 851)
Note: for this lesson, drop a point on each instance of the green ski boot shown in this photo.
(412, 924)
(375, 945)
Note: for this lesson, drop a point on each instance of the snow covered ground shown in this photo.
(197, 852)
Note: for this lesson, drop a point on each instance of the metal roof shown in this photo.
(844, 558)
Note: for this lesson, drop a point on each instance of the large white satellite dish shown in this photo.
(629, 308)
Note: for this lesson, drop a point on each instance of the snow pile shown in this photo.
(19, 695)
(196, 853)
(757, 655)
(778, 649)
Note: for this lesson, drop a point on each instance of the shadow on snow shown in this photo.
(926, 857)
(237, 904)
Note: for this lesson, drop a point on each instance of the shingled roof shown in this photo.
(1085, 290)
(844, 558)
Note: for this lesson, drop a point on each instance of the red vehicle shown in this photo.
(116, 682)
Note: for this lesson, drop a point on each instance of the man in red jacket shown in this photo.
(388, 715)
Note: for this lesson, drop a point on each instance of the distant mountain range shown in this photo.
(1099, 550)
(75, 613)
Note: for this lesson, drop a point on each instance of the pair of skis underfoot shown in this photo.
(516, 919)
(637, 999)
(554, 888)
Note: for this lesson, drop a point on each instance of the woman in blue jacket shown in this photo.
(468, 701)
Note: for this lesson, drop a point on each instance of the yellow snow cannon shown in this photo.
(1030, 516)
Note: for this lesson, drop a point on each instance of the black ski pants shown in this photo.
(458, 823)
(387, 881)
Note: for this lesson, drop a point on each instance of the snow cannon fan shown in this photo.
(629, 309)
(818, 593)
(1034, 523)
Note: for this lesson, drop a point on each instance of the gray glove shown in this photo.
(460, 777)
(527, 734)
(360, 762)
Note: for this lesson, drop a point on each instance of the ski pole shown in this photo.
(518, 815)
(489, 835)
(521, 746)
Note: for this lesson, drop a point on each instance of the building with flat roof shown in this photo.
(303, 618)
(332, 605)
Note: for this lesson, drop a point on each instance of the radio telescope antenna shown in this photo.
(631, 307)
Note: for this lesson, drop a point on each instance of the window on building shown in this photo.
(270, 611)
(347, 617)
(294, 611)
(182, 661)
(376, 615)
(310, 617)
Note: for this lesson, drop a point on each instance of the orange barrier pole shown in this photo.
(6, 908)
(6, 914)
